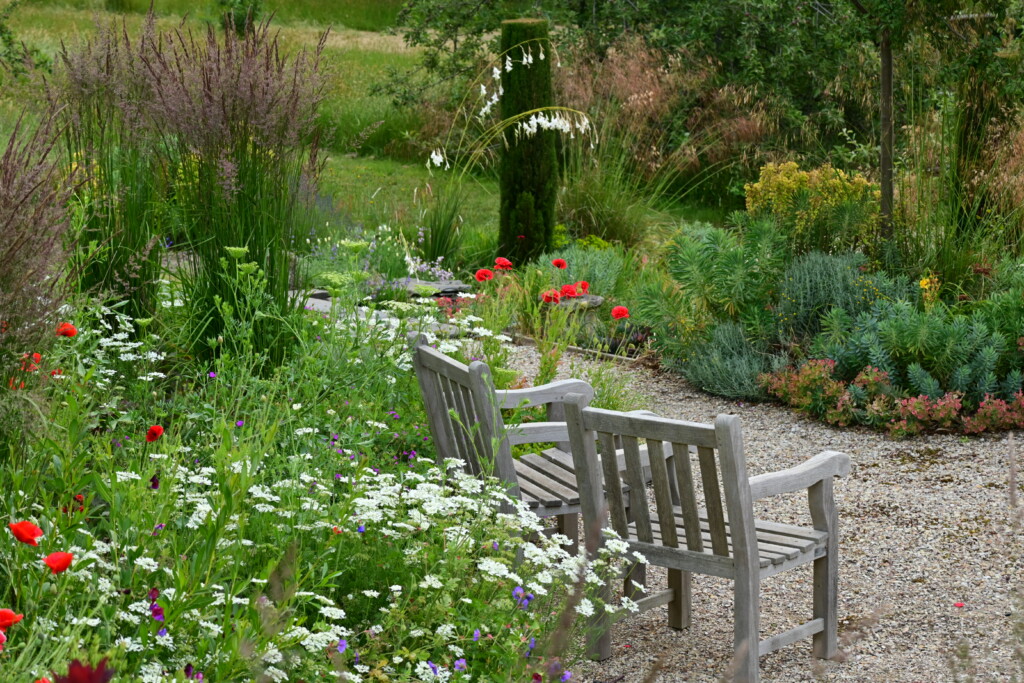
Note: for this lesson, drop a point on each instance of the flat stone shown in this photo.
(582, 301)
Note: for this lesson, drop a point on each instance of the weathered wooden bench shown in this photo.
(692, 531)
(464, 414)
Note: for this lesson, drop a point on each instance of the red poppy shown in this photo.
(43, 680)
(569, 291)
(484, 274)
(154, 433)
(58, 562)
(502, 263)
(66, 330)
(30, 365)
(26, 532)
(55, 372)
(620, 312)
(8, 618)
(552, 296)
(560, 263)
(583, 286)
(3, 639)
(86, 673)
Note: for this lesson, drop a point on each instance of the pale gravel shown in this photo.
(924, 523)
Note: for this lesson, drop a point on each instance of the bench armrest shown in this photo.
(554, 392)
(822, 466)
(537, 432)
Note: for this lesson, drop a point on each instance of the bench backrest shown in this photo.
(463, 414)
(719, 470)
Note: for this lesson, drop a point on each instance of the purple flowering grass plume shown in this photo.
(34, 194)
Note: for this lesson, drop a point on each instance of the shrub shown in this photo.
(931, 351)
(727, 364)
(727, 273)
(816, 282)
(528, 169)
(824, 209)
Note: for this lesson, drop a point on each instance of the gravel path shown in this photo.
(925, 524)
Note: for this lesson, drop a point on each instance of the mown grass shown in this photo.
(363, 15)
(371, 192)
(355, 60)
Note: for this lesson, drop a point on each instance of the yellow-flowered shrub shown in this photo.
(824, 208)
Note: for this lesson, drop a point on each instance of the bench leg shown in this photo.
(826, 575)
(569, 525)
(599, 630)
(679, 608)
(747, 611)
(639, 574)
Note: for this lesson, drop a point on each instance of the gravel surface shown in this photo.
(925, 523)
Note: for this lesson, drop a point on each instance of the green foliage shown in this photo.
(528, 170)
(727, 273)
(728, 364)
(238, 15)
(816, 282)
(14, 54)
(929, 352)
(441, 221)
(605, 196)
(823, 209)
(121, 208)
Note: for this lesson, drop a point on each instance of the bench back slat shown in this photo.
(722, 478)
(462, 419)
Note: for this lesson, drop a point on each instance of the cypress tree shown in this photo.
(528, 167)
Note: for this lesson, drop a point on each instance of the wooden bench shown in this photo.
(690, 532)
(464, 413)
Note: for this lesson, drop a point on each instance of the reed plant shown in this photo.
(237, 121)
(101, 92)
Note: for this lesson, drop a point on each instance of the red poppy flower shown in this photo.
(620, 312)
(66, 330)
(560, 263)
(86, 673)
(583, 286)
(55, 372)
(43, 680)
(58, 562)
(552, 296)
(29, 363)
(26, 532)
(502, 263)
(484, 274)
(3, 639)
(154, 433)
(569, 291)
(8, 618)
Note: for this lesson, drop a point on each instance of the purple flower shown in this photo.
(460, 664)
(158, 528)
(494, 545)
(342, 645)
(211, 374)
(154, 483)
(162, 632)
(157, 611)
(240, 423)
(476, 635)
(433, 667)
(361, 528)
(517, 592)
(153, 594)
